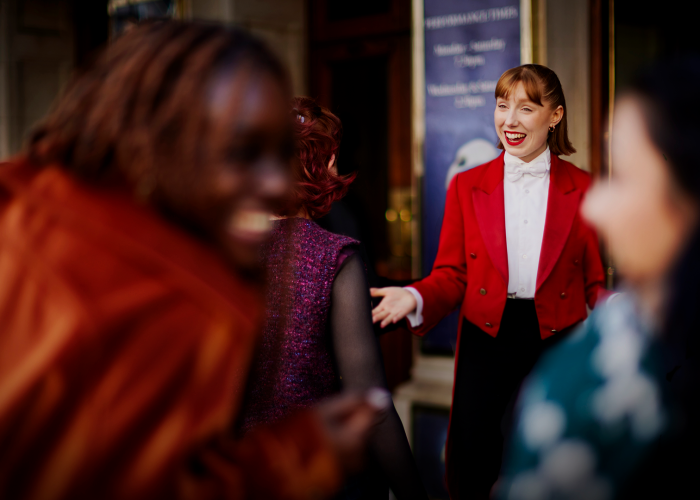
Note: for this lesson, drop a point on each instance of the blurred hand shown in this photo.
(614, 297)
(348, 419)
(395, 305)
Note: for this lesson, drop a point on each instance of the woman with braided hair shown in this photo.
(129, 232)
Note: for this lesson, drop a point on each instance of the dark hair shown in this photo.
(541, 85)
(667, 94)
(142, 104)
(317, 134)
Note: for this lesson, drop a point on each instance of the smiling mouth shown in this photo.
(250, 225)
(514, 138)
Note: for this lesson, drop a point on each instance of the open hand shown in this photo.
(348, 420)
(395, 305)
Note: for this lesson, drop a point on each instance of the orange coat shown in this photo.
(124, 350)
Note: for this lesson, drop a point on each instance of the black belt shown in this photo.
(512, 296)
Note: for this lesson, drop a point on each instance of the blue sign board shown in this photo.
(468, 45)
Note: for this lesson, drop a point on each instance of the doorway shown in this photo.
(360, 68)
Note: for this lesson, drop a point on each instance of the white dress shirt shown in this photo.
(526, 191)
(525, 200)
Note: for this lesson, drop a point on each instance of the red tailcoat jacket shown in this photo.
(471, 267)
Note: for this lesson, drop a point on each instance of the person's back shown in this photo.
(294, 366)
(318, 336)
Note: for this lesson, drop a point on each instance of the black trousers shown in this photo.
(489, 373)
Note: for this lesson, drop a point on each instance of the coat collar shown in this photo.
(488, 201)
(561, 177)
(562, 207)
(493, 175)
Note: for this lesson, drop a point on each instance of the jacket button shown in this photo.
(576, 262)
(563, 295)
(482, 291)
(472, 255)
(489, 325)
(554, 331)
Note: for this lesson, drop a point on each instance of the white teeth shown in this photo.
(251, 221)
(515, 136)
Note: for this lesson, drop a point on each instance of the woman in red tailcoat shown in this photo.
(517, 260)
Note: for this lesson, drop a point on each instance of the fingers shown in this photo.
(395, 315)
(375, 402)
(395, 305)
(339, 408)
(388, 314)
(379, 313)
(352, 415)
(391, 318)
(348, 420)
(357, 426)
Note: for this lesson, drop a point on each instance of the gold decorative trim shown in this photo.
(183, 9)
(527, 55)
(533, 32)
(610, 275)
(417, 131)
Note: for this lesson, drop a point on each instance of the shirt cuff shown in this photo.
(415, 318)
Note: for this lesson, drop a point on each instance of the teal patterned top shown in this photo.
(590, 413)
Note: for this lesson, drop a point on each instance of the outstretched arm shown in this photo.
(443, 290)
(360, 367)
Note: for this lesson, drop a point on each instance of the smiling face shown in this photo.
(229, 197)
(523, 125)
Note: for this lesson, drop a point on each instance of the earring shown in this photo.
(551, 128)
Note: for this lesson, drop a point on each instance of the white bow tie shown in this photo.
(515, 171)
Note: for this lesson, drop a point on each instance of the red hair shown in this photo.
(317, 134)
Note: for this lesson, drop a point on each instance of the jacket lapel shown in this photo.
(562, 206)
(489, 208)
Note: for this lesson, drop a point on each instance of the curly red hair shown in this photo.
(317, 134)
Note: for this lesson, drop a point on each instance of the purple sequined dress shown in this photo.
(294, 366)
(318, 339)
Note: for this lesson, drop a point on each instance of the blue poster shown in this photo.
(468, 45)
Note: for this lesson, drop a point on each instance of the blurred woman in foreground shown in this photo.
(318, 338)
(613, 413)
(127, 230)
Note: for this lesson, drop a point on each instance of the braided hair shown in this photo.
(143, 103)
